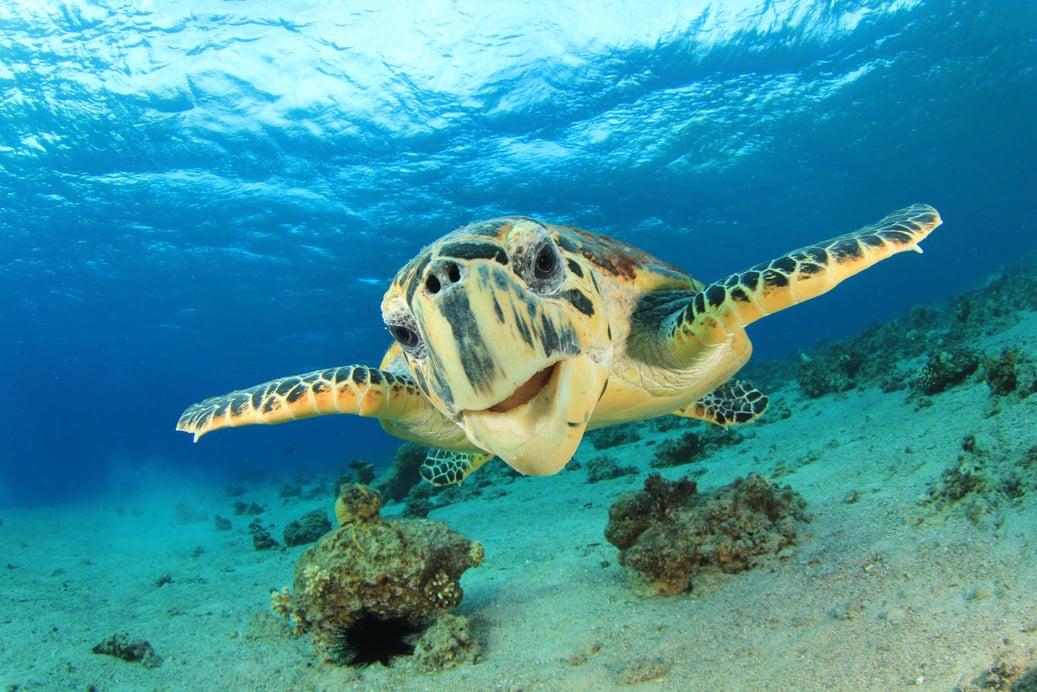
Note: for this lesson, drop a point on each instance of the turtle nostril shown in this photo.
(442, 275)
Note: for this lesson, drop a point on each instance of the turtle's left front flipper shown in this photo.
(724, 308)
(350, 389)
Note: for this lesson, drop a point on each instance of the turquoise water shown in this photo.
(197, 196)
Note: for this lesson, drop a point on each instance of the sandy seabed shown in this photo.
(883, 591)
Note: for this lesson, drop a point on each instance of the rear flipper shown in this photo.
(447, 468)
(732, 403)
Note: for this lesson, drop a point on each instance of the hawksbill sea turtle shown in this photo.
(513, 337)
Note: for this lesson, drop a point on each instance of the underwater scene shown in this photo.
(664, 346)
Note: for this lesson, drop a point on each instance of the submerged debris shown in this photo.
(133, 650)
(667, 533)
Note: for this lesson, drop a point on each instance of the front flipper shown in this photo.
(447, 468)
(722, 309)
(734, 402)
(351, 389)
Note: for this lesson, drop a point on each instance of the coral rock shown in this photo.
(261, 538)
(370, 566)
(667, 533)
(307, 528)
(357, 503)
(447, 643)
(945, 370)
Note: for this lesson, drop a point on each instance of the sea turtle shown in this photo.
(513, 337)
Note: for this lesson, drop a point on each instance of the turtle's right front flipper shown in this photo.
(351, 389)
(722, 309)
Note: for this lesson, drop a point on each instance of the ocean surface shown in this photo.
(197, 195)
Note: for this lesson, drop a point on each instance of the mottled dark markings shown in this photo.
(498, 310)
(716, 295)
(343, 375)
(375, 377)
(470, 251)
(739, 295)
(437, 385)
(286, 385)
(751, 280)
(220, 410)
(566, 243)
(271, 404)
(873, 240)
(257, 399)
(731, 281)
(297, 392)
(581, 302)
(360, 374)
(500, 279)
(602, 262)
(478, 366)
(416, 275)
(818, 255)
(809, 268)
(523, 327)
(699, 303)
(549, 337)
(575, 268)
(318, 387)
(900, 237)
(486, 228)
(847, 249)
(786, 265)
(238, 404)
(773, 278)
(531, 308)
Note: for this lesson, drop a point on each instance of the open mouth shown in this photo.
(537, 427)
(526, 391)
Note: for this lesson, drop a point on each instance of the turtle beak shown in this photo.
(537, 428)
(521, 374)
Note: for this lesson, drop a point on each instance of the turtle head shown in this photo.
(503, 328)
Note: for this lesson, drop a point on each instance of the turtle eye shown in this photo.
(545, 263)
(407, 337)
(544, 268)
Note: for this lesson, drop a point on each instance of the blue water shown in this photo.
(199, 195)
